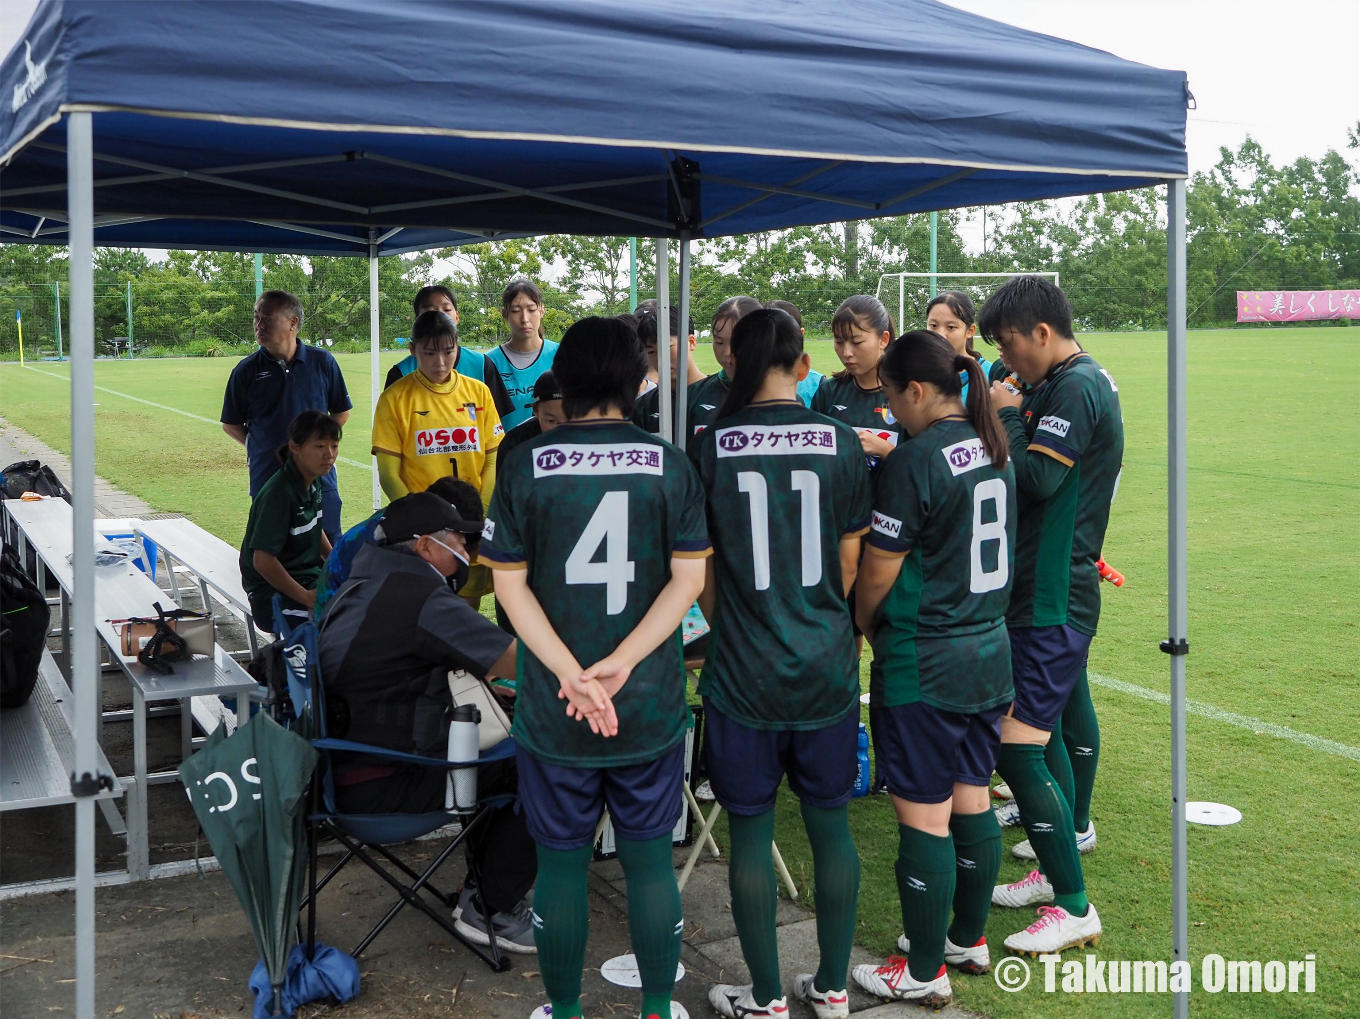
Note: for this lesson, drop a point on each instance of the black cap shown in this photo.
(422, 513)
(546, 387)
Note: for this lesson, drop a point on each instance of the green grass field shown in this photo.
(1274, 633)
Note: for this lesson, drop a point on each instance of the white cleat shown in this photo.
(1055, 930)
(893, 980)
(1008, 814)
(704, 794)
(1086, 841)
(975, 960)
(735, 1002)
(1002, 791)
(827, 1004)
(1031, 890)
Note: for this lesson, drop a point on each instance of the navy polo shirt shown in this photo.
(265, 395)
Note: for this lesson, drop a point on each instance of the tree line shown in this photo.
(1253, 224)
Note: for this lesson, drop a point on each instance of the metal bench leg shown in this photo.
(174, 579)
(112, 818)
(186, 728)
(207, 599)
(66, 635)
(138, 840)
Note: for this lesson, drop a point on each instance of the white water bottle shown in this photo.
(463, 746)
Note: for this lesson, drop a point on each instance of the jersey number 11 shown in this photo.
(809, 485)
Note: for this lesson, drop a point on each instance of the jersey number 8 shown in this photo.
(608, 524)
(809, 485)
(981, 581)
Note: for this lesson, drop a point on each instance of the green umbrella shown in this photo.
(249, 792)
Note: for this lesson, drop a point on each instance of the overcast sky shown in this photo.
(1287, 72)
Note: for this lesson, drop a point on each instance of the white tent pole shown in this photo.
(663, 330)
(373, 384)
(85, 662)
(1176, 644)
(682, 381)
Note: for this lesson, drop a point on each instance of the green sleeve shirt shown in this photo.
(948, 512)
(1067, 441)
(595, 511)
(784, 486)
(285, 521)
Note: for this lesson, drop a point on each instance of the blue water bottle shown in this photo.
(863, 775)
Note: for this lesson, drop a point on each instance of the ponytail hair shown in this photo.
(310, 424)
(926, 357)
(762, 341)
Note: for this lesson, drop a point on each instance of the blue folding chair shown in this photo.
(367, 836)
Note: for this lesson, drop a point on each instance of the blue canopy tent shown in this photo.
(330, 127)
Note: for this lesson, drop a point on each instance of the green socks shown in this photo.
(562, 924)
(751, 880)
(835, 863)
(1047, 820)
(1059, 764)
(977, 855)
(655, 920)
(1081, 736)
(925, 885)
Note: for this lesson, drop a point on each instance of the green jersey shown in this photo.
(702, 400)
(1067, 441)
(784, 485)
(949, 513)
(285, 521)
(595, 510)
(841, 398)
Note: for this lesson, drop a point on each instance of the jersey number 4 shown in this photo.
(809, 485)
(981, 580)
(609, 524)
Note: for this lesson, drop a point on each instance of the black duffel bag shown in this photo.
(31, 476)
(24, 619)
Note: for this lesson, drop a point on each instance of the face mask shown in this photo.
(460, 573)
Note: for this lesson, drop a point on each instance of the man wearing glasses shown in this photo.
(270, 387)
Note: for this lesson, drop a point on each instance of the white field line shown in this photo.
(1257, 725)
(172, 410)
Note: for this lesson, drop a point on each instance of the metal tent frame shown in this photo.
(81, 226)
(813, 134)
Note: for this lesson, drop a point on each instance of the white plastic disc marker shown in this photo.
(622, 970)
(864, 698)
(1216, 814)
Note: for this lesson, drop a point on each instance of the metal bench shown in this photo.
(211, 560)
(37, 748)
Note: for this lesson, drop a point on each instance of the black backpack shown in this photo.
(31, 476)
(24, 619)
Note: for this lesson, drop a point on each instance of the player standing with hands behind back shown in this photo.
(1066, 436)
(788, 501)
(933, 591)
(597, 538)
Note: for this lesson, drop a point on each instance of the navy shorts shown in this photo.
(745, 765)
(1046, 662)
(562, 805)
(925, 750)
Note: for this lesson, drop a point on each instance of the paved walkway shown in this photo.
(16, 444)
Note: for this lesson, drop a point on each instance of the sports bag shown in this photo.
(31, 476)
(24, 619)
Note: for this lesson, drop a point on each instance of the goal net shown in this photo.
(909, 292)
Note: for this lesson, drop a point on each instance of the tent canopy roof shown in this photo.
(321, 126)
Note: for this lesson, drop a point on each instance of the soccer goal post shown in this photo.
(918, 291)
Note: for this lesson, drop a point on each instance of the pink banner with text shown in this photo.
(1296, 305)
